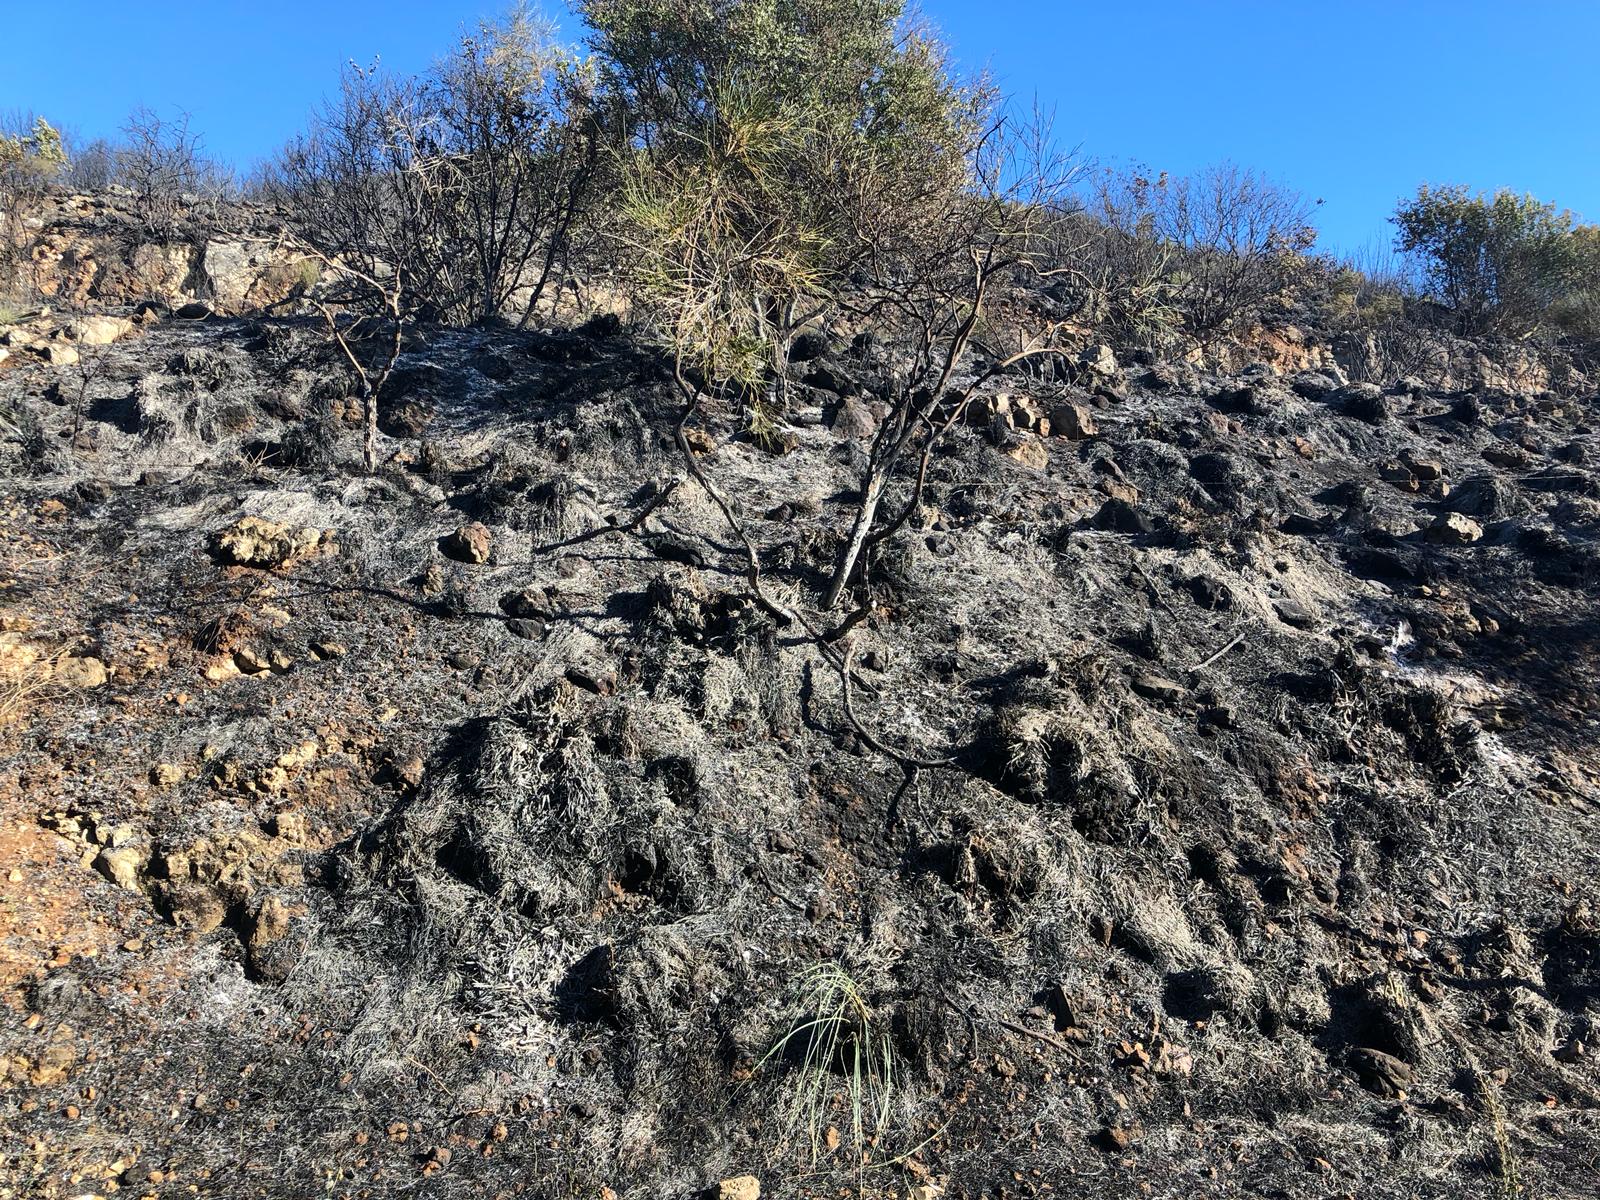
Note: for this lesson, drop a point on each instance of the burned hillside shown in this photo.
(1211, 811)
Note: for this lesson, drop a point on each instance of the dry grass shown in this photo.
(24, 683)
(845, 1057)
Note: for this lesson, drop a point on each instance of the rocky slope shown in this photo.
(451, 831)
(71, 251)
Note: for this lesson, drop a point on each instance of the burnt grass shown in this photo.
(1265, 863)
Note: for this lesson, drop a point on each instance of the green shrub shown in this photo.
(1502, 263)
(39, 154)
(1577, 310)
(773, 149)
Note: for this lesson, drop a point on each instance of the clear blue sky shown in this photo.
(1352, 101)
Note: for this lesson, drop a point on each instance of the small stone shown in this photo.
(1158, 688)
(740, 1187)
(1381, 1072)
(468, 544)
(86, 672)
(1509, 458)
(328, 651)
(527, 602)
(1119, 516)
(438, 1159)
(410, 773)
(1425, 469)
(1116, 1138)
(529, 628)
(1454, 529)
(601, 683)
(408, 419)
(1569, 1052)
(1293, 613)
(1073, 422)
(165, 775)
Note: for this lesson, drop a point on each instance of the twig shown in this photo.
(970, 1013)
(1055, 1043)
(432, 1074)
(777, 892)
(783, 615)
(908, 761)
(1201, 666)
(663, 494)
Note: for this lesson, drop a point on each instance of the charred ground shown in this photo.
(1265, 862)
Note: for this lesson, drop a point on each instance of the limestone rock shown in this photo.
(1454, 529)
(1295, 614)
(100, 330)
(1099, 360)
(1027, 450)
(853, 420)
(254, 542)
(165, 775)
(84, 672)
(194, 907)
(469, 544)
(123, 865)
(1158, 688)
(1366, 402)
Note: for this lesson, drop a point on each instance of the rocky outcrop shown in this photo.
(90, 251)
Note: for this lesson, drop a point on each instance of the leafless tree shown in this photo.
(91, 167)
(512, 155)
(162, 162)
(932, 281)
(461, 188)
(1194, 255)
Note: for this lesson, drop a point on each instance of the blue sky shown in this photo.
(1351, 101)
